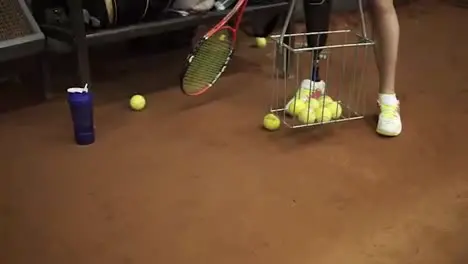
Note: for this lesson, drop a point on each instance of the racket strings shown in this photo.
(208, 62)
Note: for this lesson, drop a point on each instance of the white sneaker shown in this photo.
(389, 120)
(308, 89)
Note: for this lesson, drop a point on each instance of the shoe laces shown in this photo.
(390, 111)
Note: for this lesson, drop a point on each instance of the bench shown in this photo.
(21, 37)
(80, 40)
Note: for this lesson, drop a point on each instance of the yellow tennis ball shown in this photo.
(271, 122)
(313, 103)
(296, 106)
(222, 37)
(335, 109)
(323, 114)
(137, 102)
(307, 116)
(261, 42)
(325, 99)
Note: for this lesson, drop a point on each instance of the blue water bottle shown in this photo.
(80, 101)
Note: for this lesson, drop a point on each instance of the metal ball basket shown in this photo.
(342, 61)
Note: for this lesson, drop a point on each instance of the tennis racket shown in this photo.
(212, 53)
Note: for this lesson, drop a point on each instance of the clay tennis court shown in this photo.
(196, 180)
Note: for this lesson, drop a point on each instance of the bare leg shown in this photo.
(386, 34)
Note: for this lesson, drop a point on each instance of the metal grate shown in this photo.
(13, 22)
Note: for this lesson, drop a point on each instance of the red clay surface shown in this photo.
(195, 180)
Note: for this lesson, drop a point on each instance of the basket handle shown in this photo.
(292, 6)
(363, 19)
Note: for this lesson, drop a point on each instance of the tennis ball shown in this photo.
(307, 116)
(137, 102)
(296, 106)
(313, 104)
(222, 37)
(261, 42)
(323, 114)
(325, 99)
(335, 109)
(271, 122)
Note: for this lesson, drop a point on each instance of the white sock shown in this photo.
(388, 99)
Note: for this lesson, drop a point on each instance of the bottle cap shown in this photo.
(78, 89)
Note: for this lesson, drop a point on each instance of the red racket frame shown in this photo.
(238, 9)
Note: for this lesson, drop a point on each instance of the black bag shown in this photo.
(103, 10)
(124, 12)
(116, 12)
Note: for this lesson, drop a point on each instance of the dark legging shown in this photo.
(317, 19)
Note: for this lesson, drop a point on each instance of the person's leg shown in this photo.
(386, 34)
(317, 19)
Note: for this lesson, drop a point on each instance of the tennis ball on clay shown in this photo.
(335, 109)
(261, 42)
(296, 106)
(271, 122)
(322, 114)
(325, 99)
(137, 102)
(307, 116)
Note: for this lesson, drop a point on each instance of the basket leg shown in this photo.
(43, 61)
(284, 63)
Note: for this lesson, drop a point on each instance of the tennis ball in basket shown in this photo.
(335, 109)
(137, 102)
(313, 104)
(261, 42)
(325, 99)
(296, 106)
(307, 116)
(323, 114)
(271, 122)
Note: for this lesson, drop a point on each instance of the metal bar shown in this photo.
(278, 36)
(334, 46)
(292, 6)
(363, 19)
(43, 61)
